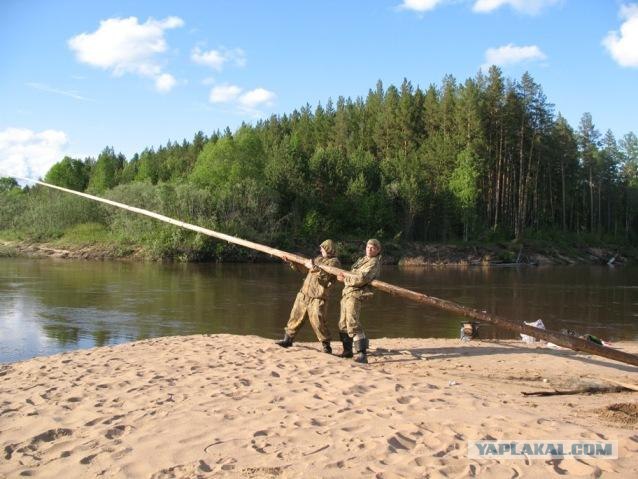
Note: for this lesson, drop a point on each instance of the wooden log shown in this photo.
(587, 390)
(571, 342)
(632, 387)
(560, 339)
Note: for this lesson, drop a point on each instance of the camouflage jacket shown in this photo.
(318, 281)
(365, 270)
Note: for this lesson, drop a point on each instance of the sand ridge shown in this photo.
(240, 406)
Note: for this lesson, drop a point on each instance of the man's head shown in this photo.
(328, 247)
(373, 248)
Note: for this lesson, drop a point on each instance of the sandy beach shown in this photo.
(240, 406)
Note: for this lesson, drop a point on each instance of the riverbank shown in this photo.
(404, 254)
(239, 406)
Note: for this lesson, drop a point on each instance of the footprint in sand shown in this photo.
(7, 411)
(47, 393)
(401, 442)
(259, 448)
(112, 419)
(445, 451)
(357, 390)
(350, 429)
(32, 449)
(8, 451)
(407, 399)
(117, 431)
(88, 459)
(121, 453)
(93, 422)
(51, 435)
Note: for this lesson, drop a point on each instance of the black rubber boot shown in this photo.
(362, 351)
(286, 342)
(326, 347)
(347, 345)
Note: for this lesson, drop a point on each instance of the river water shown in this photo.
(48, 306)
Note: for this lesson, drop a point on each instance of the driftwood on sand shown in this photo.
(587, 390)
(592, 388)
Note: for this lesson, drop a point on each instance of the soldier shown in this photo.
(311, 300)
(356, 289)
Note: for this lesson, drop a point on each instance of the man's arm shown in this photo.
(364, 276)
(324, 276)
(309, 265)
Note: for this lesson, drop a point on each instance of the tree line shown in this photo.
(484, 160)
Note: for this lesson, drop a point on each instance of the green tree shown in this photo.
(228, 161)
(148, 167)
(464, 188)
(588, 143)
(69, 173)
(107, 171)
(565, 154)
(7, 183)
(629, 180)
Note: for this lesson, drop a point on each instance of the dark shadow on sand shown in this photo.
(433, 354)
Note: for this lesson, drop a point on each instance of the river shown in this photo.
(49, 306)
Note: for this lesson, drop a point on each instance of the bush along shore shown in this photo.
(406, 254)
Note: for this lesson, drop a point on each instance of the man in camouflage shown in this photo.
(357, 288)
(311, 300)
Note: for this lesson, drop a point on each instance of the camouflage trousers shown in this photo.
(349, 317)
(315, 309)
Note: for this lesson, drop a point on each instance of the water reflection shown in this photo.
(47, 306)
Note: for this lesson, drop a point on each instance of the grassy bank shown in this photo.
(96, 241)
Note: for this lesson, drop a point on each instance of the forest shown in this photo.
(485, 160)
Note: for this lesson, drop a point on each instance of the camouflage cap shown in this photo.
(330, 247)
(375, 242)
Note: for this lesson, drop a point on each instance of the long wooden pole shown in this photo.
(560, 339)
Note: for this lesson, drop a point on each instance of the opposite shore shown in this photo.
(536, 253)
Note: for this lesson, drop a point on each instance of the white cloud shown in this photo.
(530, 7)
(256, 97)
(165, 82)
(237, 56)
(216, 59)
(47, 88)
(25, 153)
(224, 93)
(511, 54)
(419, 5)
(623, 46)
(212, 58)
(123, 45)
(245, 102)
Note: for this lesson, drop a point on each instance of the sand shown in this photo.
(240, 406)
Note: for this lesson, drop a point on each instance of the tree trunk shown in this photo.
(562, 177)
(591, 200)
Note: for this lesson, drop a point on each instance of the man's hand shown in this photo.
(341, 277)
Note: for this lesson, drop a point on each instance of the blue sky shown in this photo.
(77, 76)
